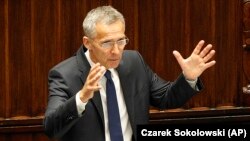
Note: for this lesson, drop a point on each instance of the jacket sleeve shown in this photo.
(172, 94)
(166, 94)
(61, 112)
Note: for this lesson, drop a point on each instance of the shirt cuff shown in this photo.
(192, 83)
(80, 105)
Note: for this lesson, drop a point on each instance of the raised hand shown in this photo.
(91, 84)
(197, 62)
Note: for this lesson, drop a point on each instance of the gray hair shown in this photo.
(105, 15)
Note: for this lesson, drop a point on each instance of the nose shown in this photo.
(115, 49)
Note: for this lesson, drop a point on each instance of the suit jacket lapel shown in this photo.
(125, 78)
(84, 67)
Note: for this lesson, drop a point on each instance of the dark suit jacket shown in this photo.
(141, 88)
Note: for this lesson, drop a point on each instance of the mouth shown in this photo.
(113, 59)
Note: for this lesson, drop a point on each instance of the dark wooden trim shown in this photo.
(21, 124)
(21, 121)
(238, 119)
(22, 129)
(196, 113)
(233, 115)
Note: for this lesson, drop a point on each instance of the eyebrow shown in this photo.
(111, 40)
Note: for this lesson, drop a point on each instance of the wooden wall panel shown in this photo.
(228, 71)
(246, 52)
(44, 50)
(246, 40)
(19, 58)
(3, 48)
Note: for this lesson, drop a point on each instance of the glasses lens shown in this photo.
(120, 43)
(108, 45)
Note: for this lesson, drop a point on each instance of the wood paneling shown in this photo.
(45, 50)
(19, 58)
(246, 40)
(3, 72)
(24, 137)
(194, 117)
(246, 52)
(37, 34)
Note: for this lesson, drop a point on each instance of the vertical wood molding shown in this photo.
(7, 71)
(2, 58)
(246, 52)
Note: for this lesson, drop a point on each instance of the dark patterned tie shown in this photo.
(114, 121)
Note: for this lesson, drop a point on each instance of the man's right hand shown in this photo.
(91, 85)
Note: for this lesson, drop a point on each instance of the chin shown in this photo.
(113, 66)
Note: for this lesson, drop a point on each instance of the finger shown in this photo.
(198, 47)
(97, 75)
(178, 57)
(95, 66)
(100, 73)
(209, 64)
(89, 90)
(209, 56)
(205, 50)
(94, 88)
(94, 70)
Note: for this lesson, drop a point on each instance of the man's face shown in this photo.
(104, 48)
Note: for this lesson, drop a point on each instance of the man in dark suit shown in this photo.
(78, 107)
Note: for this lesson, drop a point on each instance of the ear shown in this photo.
(86, 42)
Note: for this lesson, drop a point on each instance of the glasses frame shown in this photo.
(111, 44)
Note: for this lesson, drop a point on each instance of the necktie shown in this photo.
(114, 121)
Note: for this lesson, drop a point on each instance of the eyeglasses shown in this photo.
(109, 44)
